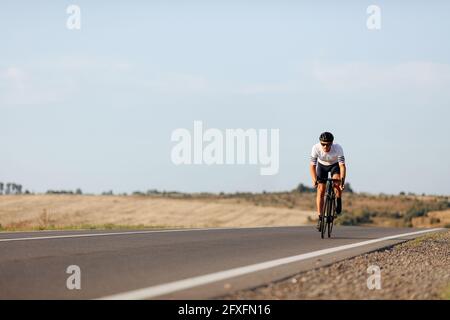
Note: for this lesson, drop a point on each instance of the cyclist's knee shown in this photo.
(321, 188)
(336, 184)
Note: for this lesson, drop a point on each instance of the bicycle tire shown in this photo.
(323, 223)
(331, 217)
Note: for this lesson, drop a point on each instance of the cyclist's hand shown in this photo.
(315, 183)
(342, 187)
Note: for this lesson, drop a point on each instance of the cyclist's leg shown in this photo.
(319, 199)
(320, 202)
(336, 186)
(322, 176)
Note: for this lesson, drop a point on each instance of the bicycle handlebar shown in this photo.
(329, 179)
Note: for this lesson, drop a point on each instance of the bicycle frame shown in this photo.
(329, 208)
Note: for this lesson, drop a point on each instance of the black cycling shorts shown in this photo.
(322, 171)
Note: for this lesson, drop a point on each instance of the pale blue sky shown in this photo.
(95, 108)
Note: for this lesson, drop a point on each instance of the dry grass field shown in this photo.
(177, 210)
(22, 212)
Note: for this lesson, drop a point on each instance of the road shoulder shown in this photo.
(416, 269)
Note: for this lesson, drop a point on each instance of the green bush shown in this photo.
(353, 219)
(302, 188)
(420, 209)
(414, 212)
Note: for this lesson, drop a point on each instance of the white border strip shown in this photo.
(167, 288)
(122, 233)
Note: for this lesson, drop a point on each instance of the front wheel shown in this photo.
(323, 223)
(331, 216)
(325, 216)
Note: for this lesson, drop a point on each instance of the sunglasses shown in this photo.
(326, 144)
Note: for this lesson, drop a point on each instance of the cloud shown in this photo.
(51, 81)
(16, 77)
(350, 77)
(77, 63)
(19, 87)
(415, 77)
(179, 83)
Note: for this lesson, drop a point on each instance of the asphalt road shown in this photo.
(177, 264)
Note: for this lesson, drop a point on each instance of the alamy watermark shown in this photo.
(73, 282)
(374, 20)
(227, 147)
(374, 280)
(74, 20)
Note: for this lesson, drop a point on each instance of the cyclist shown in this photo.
(327, 156)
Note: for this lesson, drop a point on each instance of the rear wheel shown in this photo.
(331, 209)
(323, 223)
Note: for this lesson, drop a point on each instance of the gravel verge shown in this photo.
(414, 270)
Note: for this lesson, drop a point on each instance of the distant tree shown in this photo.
(78, 191)
(348, 187)
(8, 188)
(60, 192)
(402, 193)
(302, 188)
(19, 189)
(1, 187)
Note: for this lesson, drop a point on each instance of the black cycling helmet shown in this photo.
(326, 137)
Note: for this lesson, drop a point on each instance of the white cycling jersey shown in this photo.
(336, 154)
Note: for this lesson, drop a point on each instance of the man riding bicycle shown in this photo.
(327, 157)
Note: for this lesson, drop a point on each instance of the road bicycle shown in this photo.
(328, 213)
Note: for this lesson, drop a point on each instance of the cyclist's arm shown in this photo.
(313, 165)
(342, 167)
(312, 170)
(343, 170)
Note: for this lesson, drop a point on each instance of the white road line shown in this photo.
(171, 287)
(120, 233)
